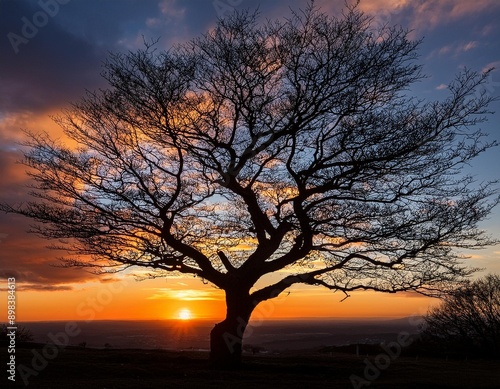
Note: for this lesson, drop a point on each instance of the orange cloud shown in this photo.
(422, 15)
(383, 6)
(186, 294)
(40, 288)
(431, 13)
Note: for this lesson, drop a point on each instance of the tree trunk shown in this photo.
(226, 337)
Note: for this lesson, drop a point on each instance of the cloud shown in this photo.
(26, 256)
(487, 30)
(40, 288)
(428, 14)
(454, 49)
(172, 10)
(384, 6)
(107, 280)
(420, 15)
(468, 46)
(442, 87)
(445, 50)
(185, 294)
(50, 69)
(153, 22)
(65, 56)
(412, 294)
(495, 65)
(462, 8)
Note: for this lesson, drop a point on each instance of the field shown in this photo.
(75, 368)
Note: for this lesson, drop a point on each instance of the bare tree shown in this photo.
(289, 147)
(22, 335)
(468, 318)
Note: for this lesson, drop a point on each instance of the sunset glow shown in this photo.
(184, 314)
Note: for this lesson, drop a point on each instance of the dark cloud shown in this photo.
(27, 258)
(51, 65)
(50, 69)
(23, 255)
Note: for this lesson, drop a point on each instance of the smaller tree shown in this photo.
(469, 318)
(23, 335)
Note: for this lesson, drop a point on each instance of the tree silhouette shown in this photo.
(468, 319)
(290, 147)
(23, 335)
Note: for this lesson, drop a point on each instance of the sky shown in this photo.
(52, 51)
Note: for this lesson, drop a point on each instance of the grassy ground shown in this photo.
(74, 368)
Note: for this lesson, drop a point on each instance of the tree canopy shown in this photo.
(292, 147)
(468, 319)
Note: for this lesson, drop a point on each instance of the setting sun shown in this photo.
(184, 314)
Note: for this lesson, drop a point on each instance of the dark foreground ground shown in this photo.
(74, 368)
